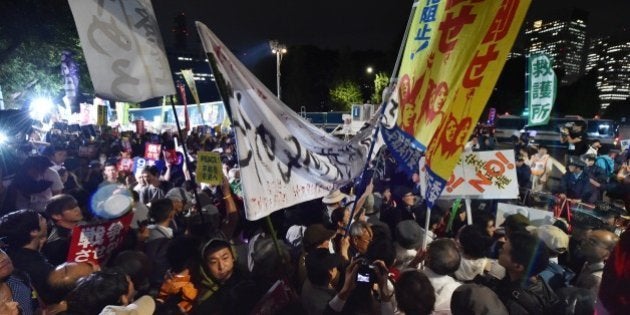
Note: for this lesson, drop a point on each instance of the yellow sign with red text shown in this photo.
(467, 99)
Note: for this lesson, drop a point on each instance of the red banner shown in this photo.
(96, 242)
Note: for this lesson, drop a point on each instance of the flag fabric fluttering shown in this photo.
(453, 56)
(541, 89)
(284, 159)
(192, 86)
(123, 49)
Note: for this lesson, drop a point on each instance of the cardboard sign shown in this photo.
(152, 151)
(96, 242)
(209, 168)
(481, 175)
(537, 217)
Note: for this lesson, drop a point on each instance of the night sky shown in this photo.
(335, 24)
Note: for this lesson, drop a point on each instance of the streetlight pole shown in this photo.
(279, 50)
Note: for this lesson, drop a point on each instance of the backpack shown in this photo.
(608, 168)
(532, 301)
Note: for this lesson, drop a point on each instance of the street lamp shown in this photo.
(279, 50)
(369, 70)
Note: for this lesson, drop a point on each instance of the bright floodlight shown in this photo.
(40, 107)
(369, 70)
(3, 138)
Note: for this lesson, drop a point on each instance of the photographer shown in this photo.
(361, 278)
(574, 135)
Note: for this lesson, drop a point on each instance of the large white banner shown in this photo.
(123, 48)
(480, 175)
(284, 159)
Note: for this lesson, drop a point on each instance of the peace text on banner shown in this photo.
(209, 168)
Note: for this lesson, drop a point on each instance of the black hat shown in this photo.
(316, 234)
(409, 234)
(577, 162)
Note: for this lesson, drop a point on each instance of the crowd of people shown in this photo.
(190, 250)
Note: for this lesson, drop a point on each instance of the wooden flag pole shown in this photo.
(186, 160)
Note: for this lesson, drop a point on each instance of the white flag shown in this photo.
(123, 48)
(284, 159)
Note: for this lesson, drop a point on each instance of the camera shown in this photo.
(366, 274)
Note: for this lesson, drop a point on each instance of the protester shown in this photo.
(65, 214)
(223, 287)
(442, 260)
(597, 248)
(522, 290)
(541, 167)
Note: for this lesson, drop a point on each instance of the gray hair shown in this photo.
(358, 227)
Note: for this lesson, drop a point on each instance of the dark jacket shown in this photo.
(35, 265)
(529, 298)
(57, 245)
(238, 295)
(576, 188)
(524, 176)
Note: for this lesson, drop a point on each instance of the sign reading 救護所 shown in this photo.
(541, 89)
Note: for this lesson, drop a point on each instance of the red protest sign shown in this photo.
(96, 242)
(152, 151)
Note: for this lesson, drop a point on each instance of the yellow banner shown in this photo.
(468, 98)
(209, 168)
(437, 54)
(190, 81)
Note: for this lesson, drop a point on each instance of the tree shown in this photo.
(344, 94)
(380, 83)
(32, 38)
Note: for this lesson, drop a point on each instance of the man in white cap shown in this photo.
(334, 200)
(557, 242)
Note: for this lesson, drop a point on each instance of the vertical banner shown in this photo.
(470, 94)
(192, 86)
(182, 93)
(542, 89)
(123, 49)
(209, 168)
(122, 113)
(70, 74)
(101, 115)
(438, 53)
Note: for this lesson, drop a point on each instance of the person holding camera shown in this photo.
(574, 135)
(362, 279)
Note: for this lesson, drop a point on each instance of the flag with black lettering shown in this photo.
(284, 159)
(123, 48)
